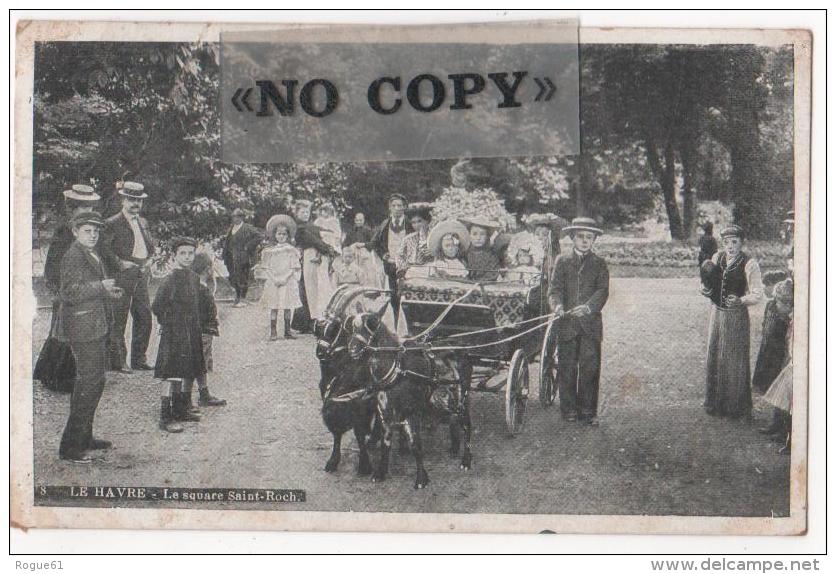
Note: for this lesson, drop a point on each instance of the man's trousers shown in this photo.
(90, 358)
(578, 375)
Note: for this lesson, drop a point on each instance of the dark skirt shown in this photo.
(180, 355)
(727, 389)
(773, 349)
(55, 367)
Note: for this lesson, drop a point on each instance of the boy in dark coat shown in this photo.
(86, 294)
(56, 367)
(578, 290)
(180, 356)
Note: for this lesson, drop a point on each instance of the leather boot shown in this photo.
(274, 335)
(189, 404)
(181, 408)
(207, 400)
(287, 333)
(167, 417)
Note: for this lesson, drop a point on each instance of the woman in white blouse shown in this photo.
(732, 280)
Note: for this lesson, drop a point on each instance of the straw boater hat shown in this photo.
(82, 193)
(544, 219)
(479, 221)
(584, 224)
(281, 220)
(133, 190)
(732, 231)
(88, 218)
(444, 228)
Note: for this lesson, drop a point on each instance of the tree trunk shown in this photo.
(584, 183)
(689, 203)
(666, 174)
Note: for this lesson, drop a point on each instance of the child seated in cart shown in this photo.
(482, 263)
(447, 241)
(525, 259)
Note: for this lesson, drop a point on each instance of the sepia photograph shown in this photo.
(592, 328)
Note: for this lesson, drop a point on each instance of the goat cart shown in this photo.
(501, 327)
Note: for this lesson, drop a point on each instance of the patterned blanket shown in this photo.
(506, 300)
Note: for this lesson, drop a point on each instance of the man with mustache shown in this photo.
(127, 249)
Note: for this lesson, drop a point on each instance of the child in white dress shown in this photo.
(346, 268)
(525, 259)
(282, 268)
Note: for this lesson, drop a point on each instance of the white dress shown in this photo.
(282, 270)
(448, 268)
(527, 274)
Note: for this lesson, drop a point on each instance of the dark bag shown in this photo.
(56, 367)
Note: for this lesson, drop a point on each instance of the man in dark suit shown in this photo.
(578, 290)
(240, 247)
(85, 294)
(387, 237)
(127, 249)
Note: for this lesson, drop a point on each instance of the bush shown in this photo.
(662, 254)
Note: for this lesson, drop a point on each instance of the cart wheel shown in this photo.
(548, 367)
(516, 392)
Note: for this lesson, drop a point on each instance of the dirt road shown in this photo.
(655, 452)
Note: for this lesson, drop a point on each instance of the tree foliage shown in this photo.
(684, 123)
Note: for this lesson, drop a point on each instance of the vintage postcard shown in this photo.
(509, 277)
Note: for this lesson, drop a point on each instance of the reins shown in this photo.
(430, 347)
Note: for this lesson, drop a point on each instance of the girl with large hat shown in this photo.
(733, 283)
(447, 242)
(282, 264)
(56, 367)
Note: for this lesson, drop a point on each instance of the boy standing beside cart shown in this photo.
(578, 291)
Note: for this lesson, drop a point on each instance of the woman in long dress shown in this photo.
(331, 233)
(733, 282)
(316, 253)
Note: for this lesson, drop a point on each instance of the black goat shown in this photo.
(403, 379)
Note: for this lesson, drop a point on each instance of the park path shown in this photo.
(655, 452)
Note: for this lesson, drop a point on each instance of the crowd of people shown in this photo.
(99, 270)
(303, 259)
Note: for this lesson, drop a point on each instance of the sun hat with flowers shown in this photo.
(525, 241)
